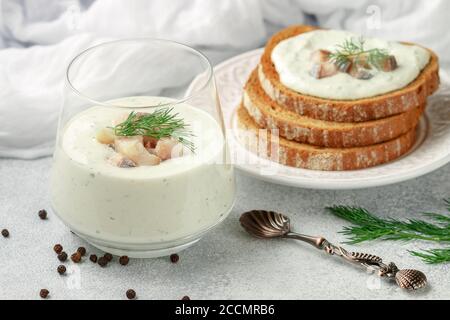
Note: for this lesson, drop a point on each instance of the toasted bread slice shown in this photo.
(377, 107)
(300, 155)
(292, 126)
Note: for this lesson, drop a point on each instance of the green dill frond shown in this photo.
(367, 227)
(353, 51)
(439, 218)
(447, 202)
(433, 256)
(161, 123)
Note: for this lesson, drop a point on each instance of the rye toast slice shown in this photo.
(294, 154)
(377, 107)
(292, 126)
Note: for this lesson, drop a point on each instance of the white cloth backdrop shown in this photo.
(39, 37)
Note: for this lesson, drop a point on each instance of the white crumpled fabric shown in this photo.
(38, 38)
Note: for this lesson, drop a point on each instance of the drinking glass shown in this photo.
(142, 211)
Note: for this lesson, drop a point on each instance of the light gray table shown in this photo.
(226, 264)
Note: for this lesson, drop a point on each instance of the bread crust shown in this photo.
(292, 126)
(300, 155)
(376, 107)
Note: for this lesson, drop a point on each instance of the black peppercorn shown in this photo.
(185, 298)
(93, 258)
(131, 294)
(174, 258)
(42, 214)
(58, 248)
(108, 257)
(61, 269)
(82, 250)
(76, 257)
(5, 233)
(102, 261)
(62, 256)
(123, 260)
(44, 293)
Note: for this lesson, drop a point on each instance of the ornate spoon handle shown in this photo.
(405, 278)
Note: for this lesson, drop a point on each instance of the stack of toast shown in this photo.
(322, 134)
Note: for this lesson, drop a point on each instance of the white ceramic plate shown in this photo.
(431, 151)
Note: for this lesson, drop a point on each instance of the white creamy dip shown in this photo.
(148, 204)
(292, 61)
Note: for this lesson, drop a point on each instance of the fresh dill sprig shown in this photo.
(447, 202)
(439, 218)
(353, 51)
(161, 123)
(367, 227)
(433, 256)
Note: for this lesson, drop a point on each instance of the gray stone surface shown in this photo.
(226, 264)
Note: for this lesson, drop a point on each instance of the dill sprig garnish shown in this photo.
(353, 51)
(433, 256)
(447, 202)
(161, 123)
(367, 227)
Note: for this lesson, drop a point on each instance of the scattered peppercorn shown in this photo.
(123, 260)
(108, 257)
(42, 214)
(61, 269)
(58, 248)
(76, 257)
(174, 258)
(44, 293)
(102, 261)
(5, 233)
(93, 258)
(131, 294)
(62, 256)
(82, 251)
(185, 298)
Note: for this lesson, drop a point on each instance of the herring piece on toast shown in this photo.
(320, 56)
(323, 70)
(360, 73)
(388, 64)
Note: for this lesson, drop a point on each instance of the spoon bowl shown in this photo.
(265, 224)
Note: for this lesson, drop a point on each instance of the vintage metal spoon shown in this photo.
(269, 224)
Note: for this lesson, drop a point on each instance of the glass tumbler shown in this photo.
(127, 89)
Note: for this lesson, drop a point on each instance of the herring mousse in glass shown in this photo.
(141, 175)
